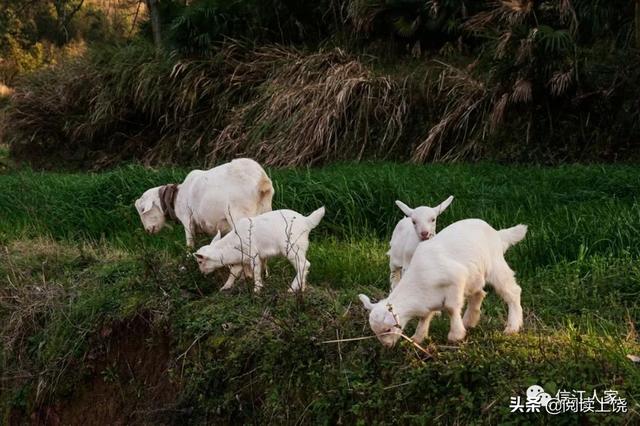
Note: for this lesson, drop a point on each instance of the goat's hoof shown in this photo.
(456, 336)
(470, 323)
(225, 288)
(511, 330)
(417, 339)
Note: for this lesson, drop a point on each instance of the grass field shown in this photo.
(92, 307)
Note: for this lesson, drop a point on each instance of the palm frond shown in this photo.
(522, 91)
(560, 82)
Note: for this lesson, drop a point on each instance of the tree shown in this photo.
(65, 11)
(154, 13)
(638, 24)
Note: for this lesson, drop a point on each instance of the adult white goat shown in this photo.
(208, 201)
(444, 270)
(418, 225)
(276, 233)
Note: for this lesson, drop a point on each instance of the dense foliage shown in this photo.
(295, 83)
(36, 33)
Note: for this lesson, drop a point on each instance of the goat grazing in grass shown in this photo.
(418, 225)
(452, 266)
(276, 233)
(206, 201)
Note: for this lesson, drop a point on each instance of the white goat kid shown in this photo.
(207, 201)
(277, 233)
(418, 225)
(453, 265)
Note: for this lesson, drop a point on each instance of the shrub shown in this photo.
(197, 28)
(128, 103)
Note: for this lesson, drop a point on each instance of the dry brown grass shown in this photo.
(280, 105)
(311, 108)
(28, 297)
(33, 290)
(467, 102)
(511, 12)
(276, 104)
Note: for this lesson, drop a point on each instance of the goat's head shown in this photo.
(424, 218)
(209, 257)
(150, 211)
(383, 321)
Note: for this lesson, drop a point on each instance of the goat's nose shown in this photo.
(425, 235)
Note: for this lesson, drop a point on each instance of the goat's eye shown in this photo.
(413, 220)
(433, 220)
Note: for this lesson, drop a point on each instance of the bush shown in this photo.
(197, 28)
(128, 103)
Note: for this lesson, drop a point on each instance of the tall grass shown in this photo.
(286, 106)
(278, 104)
(571, 210)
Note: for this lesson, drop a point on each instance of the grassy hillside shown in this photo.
(92, 308)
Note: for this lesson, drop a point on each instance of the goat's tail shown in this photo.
(512, 236)
(314, 218)
(265, 194)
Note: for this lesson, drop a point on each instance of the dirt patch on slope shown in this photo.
(129, 381)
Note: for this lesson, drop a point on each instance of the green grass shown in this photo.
(76, 260)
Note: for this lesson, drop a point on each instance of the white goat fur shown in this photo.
(418, 225)
(452, 266)
(277, 233)
(208, 201)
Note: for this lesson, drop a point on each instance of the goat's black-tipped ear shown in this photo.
(366, 302)
(405, 208)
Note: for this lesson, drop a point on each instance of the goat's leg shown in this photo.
(422, 330)
(472, 313)
(395, 273)
(189, 235)
(302, 265)
(456, 330)
(504, 282)
(395, 276)
(257, 274)
(454, 303)
(234, 273)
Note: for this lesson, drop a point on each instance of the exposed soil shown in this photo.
(128, 381)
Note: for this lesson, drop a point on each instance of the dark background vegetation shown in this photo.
(302, 83)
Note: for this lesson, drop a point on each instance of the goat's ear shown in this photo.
(144, 206)
(217, 237)
(405, 208)
(442, 207)
(366, 302)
